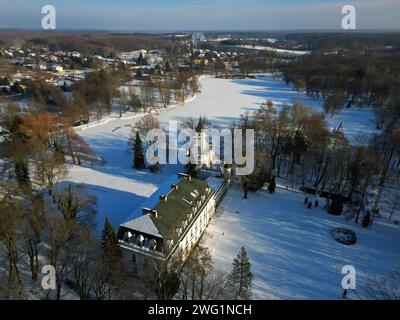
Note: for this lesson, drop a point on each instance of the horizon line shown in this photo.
(168, 31)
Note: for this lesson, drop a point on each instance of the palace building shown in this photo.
(169, 223)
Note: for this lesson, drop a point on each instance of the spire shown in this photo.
(200, 125)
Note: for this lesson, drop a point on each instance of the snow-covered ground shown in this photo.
(120, 189)
(223, 101)
(292, 252)
(283, 51)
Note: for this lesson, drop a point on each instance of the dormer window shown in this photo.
(153, 244)
(140, 240)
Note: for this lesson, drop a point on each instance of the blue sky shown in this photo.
(200, 14)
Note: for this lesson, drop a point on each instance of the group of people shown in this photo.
(309, 203)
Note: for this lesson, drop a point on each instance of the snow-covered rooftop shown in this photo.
(153, 200)
(215, 183)
(143, 224)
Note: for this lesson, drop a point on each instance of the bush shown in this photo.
(345, 236)
(154, 168)
(256, 180)
(335, 207)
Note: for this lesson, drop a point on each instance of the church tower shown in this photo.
(202, 154)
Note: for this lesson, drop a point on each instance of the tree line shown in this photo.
(102, 92)
(297, 144)
(44, 222)
(350, 79)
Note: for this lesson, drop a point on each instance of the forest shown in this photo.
(349, 80)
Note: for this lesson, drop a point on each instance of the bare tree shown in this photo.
(77, 147)
(61, 239)
(164, 92)
(32, 227)
(143, 126)
(166, 280)
(10, 232)
(194, 274)
(147, 96)
(76, 204)
(45, 148)
(83, 263)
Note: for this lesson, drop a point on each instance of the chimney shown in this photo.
(146, 211)
(185, 176)
(150, 211)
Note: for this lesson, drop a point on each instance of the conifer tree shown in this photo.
(272, 186)
(22, 174)
(366, 220)
(109, 240)
(240, 279)
(111, 260)
(141, 61)
(138, 161)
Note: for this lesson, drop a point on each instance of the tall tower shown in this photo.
(197, 38)
(202, 153)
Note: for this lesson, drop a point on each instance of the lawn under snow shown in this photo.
(292, 253)
(120, 189)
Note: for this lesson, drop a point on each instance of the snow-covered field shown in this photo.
(120, 189)
(293, 253)
(291, 249)
(283, 51)
(223, 101)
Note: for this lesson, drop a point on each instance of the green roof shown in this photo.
(172, 212)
